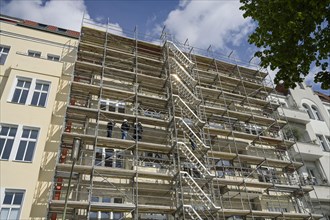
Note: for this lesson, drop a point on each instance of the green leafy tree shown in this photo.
(292, 35)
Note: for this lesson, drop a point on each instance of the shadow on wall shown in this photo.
(3, 82)
(44, 186)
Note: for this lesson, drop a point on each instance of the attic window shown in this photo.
(42, 26)
(61, 30)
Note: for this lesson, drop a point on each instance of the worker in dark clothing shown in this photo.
(110, 126)
(192, 142)
(138, 129)
(124, 129)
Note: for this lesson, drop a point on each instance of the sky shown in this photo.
(215, 24)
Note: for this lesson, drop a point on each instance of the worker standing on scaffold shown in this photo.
(124, 129)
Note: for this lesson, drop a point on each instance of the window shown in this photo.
(4, 51)
(308, 110)
(33, 53)
(151, 159)
(253, 129)
(277, 209)
(42, 26)
(112, 106)
(21, 91)
(36, 97)
(225, 168)
(316, 112)
(27, 144)
(40, 94)
(328, 140)
(11, 205)
(7, 136)
(17, 142)
(53, 57)
(322, 142)
(103, 215)
(301, 86)
(61, 30)
(108, 158)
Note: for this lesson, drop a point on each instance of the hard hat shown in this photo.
(125, 120)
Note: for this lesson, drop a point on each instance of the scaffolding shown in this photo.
(211, 145)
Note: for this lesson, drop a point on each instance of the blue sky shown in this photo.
(218, 23)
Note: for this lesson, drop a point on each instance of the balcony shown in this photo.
(322, 193)
(294, 115)
(308, 151)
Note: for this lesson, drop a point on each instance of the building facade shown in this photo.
(308, 114)
(36, 62)
(109, 126)
(156, 131)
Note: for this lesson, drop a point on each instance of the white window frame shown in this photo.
(53, 57)
(317, 113)
(34, 53)
(12, 206)
(111, 214)
(11, 97)
(31, 90)
(41, 92)
(114, 158)
(2, 53)
(28, 139)
(116, 104)
(253, 129)
(327, 139)
(308, 111)
(17, 140)
(323, 142)
(6, 139)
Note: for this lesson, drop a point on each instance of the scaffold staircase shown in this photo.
(205, 205)
(191, 212)
(180, 56)
(180, 71)
(185, 92)
(184, 149)
(188, 112)
(187, 98)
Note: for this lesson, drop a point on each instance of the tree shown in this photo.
(293, 36)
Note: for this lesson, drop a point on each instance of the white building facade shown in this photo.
(308, 115)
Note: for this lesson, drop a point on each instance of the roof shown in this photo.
(323, 97)
(40, 26)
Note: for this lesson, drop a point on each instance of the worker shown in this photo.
(110, 126)
(138, 129)
(124, 129)
(192, 142)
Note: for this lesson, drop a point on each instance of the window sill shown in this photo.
(16, 103)
(41, 57)
(27, 104)
(3, 159)
(37, 106)
(21, 161)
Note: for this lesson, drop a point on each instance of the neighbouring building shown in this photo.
(36, 64)
(308, 114)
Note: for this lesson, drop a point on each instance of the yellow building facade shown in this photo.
(35, 65)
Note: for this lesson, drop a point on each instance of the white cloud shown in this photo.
(218, 23)
(65, 14)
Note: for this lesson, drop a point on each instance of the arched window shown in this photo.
(317, 113)
(308, 110)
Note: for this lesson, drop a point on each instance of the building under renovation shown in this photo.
(201, 139)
